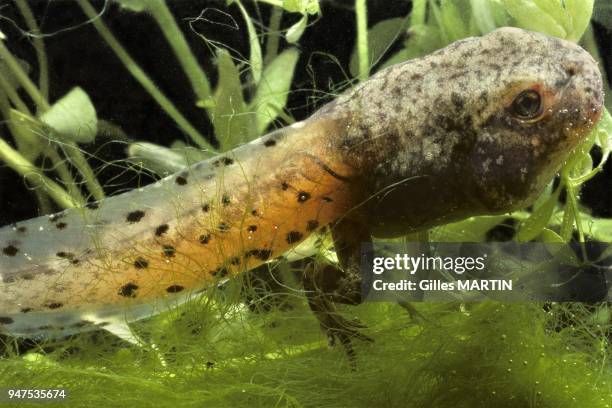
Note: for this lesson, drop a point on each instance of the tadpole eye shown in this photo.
(527, 105)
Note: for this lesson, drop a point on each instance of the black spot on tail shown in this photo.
(141, 263)
(128, 290)
(135, 216)
(180, 180)
(303, 196)
(294, 236)
(61, 225)
(262, 254)
(270, 143)
(21, 229)
(26, 310)
(92, 206)
(161, 230)
(312, 225)
(169, 251)
(6, 320)
(227, 161)
(174, 289)
(54, 305)
(65, 255)
(220, 272)
(10, 250)
(81, 323)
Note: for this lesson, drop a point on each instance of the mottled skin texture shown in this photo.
(422, 143)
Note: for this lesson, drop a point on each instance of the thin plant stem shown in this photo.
(59, 166)
(273, 34)
(79, 161)
(44, 204)
(42, 104)
(361, 11)
(417, 16)
(141, 76)
(35, 176)
(39, 46)
(166, 22)
(5, 106)
(23, 79)
(13, 95)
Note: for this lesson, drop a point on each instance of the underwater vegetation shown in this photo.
(240, 69)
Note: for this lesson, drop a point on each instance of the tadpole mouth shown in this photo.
(583, 103)
(595, 113)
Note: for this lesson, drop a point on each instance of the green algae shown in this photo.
(471, 355)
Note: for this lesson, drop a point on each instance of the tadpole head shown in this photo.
(547, 101)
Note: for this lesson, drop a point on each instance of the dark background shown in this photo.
(78, 56)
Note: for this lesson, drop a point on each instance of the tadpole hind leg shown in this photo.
(327, 284)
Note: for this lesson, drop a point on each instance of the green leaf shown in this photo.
(419, 11)
(565, 19)
(538, 220)
(255, 58)
(500, 15)
(567, 225)
(301, 6)
(228, 115)
(528, 15)
(601, 229)
(380, 37)
(190, 153)
(604, 133)
(473, 229)
(159, 159)
(558, 248)
(584, 164)
(423, 40)
(453, 25)
(579, 12)
(73, 117)
(483, 15)
(555, 9)
(28, 133)
(295, 31)
(273, 90)
(550, 236)
(136, 6)
(544, 195)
